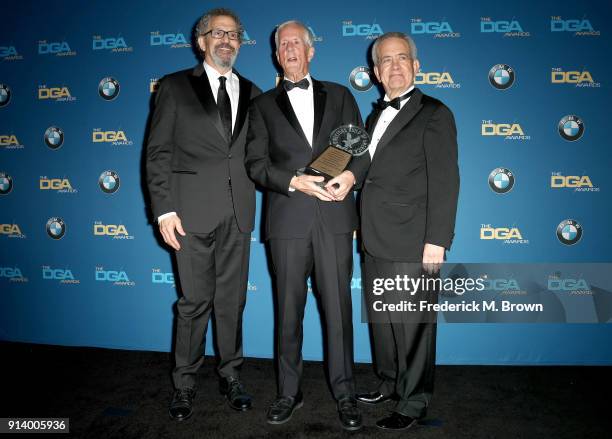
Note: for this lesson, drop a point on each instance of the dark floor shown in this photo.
(124, 394)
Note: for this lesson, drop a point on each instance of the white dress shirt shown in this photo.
(232, 85)
(302, 102)
(384, 120)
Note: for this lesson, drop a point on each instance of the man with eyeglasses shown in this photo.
(204, 204)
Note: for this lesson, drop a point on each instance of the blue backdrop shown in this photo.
(76, 84)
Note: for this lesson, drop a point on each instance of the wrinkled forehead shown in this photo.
(393, 46)
(291, 31)
(223, 22)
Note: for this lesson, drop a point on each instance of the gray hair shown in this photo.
(386, 36)
(202, 26)
(308, 35)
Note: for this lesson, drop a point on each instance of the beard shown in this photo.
(224, 60)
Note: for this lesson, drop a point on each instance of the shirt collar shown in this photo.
(307, 78)
(401, 94)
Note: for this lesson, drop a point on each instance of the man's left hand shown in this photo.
(341, 185)
(433, 257)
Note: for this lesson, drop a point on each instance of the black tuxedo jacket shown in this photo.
(189, 159)
(409, 196)
(277, 147)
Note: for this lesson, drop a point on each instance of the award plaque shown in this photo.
(345, 142)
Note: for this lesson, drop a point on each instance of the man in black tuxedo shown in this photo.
(199, 189)
(309, 228)
(408, 205)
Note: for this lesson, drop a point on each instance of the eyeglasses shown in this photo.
(220, 33)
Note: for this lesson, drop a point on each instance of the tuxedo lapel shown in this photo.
(283, 102)
(201, 87)
(320, 97)
(243, 105)
(405, 115)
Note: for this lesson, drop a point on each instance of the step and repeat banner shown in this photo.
(79, 260)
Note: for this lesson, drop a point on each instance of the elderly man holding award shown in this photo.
(309, 219)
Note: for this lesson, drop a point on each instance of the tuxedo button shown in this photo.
(229, 156)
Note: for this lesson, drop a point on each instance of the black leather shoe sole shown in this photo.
(414, 421)
(237, 408)
(349, 428)
(180, 418)
(297, 406)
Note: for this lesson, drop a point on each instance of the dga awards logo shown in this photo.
(9, 53)
(11, 231)
(54, 137)
(5, 95)
(507, 28)
(315, 37)
(360, 79)
(63, 276)
(13, 274)
(174, 41)
(115, 138)
(571, 127)
(115, 231)
(507, 235)
(10, 141)
(569, 232)
(57, 94)
(153, 85)
(578, 27)
(59, 185)
(159, 277)
(247, 40)
(116, 277)
(110, 44)
(573, 286)
(501, 180)
(579, 183)
(503, 286)
(57, 48)
(56, 228)
(501, 76)
(6, 183)
(437, 79)
(366, 30)
(437, 29)
(509, 131)
(577, 78)
(108, 88)
(109, 182)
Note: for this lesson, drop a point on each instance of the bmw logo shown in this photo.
(56, 228)
(108, 89)
(501, 180)
(569, 232)
(54, 137)
(571, 128)
(6, 183)
(501, 76)
(360, 79)
(109, 182)
(5, 95)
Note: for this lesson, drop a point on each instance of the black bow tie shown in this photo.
(303, 84)
(395, 103)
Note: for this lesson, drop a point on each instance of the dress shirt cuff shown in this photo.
(165, 215)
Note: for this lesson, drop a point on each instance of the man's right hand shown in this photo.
(167, 227)
(306, 184)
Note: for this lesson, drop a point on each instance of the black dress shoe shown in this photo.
(396, 421)
(234, 392)
(373, 398)
(350, 416)
(181, 405)
(282, 409)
